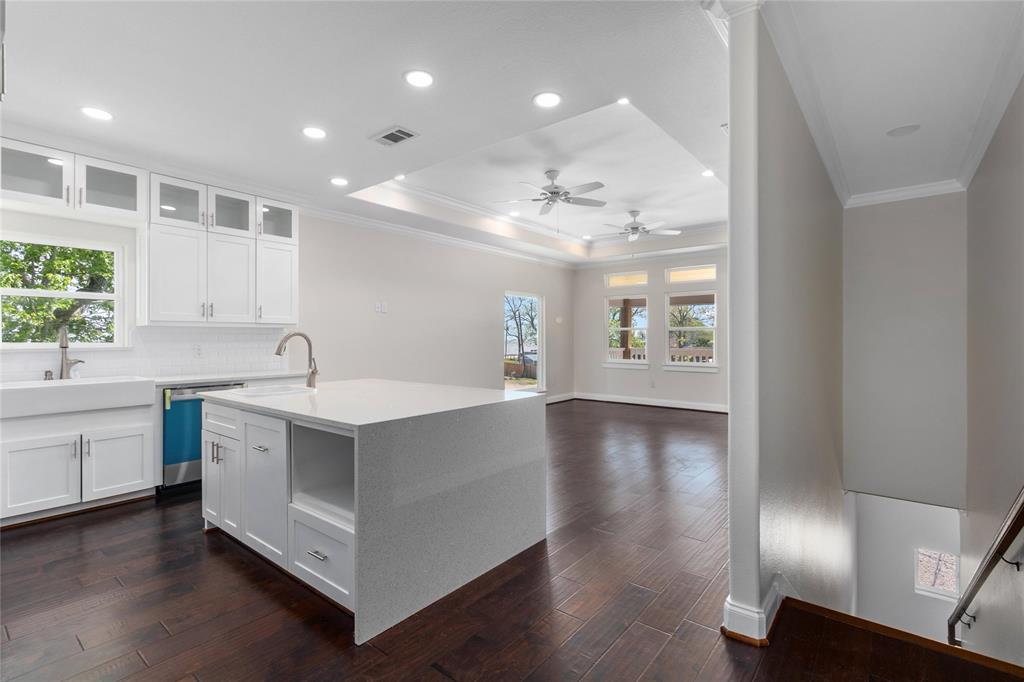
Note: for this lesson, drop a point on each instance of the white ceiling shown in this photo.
(642, 167)
(222, 89)
(860, 69)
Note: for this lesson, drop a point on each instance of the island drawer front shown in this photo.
(225, 421)
(321, 554)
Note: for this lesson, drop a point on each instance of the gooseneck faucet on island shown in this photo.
(312, 371)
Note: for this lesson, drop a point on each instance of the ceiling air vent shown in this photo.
(393, 136)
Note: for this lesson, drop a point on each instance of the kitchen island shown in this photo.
(383, 495)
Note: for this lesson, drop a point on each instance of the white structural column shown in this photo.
(743, 612)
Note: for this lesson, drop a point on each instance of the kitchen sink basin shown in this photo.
(31, 398)
(267, 391)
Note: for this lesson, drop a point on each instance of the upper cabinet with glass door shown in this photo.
(231, 212)
(178, 203)
(37, 174)
(276, 222)
(111, 188)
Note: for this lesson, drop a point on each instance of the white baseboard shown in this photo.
(80, 506)
(756, 623)
(653, 402)
(560, 397)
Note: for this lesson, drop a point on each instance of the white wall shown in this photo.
(905, 349)
(995, 378)
(786, 260)
(889, 532)
(445, 319)
(151, 351)
(700, 389)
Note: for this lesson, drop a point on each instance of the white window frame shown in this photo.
(118, 297)
(928, 590)
(608, 361)
(608, 278)
(541, 354)
(669, 329)
(669, 271)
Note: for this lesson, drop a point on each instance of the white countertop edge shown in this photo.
(227, 377)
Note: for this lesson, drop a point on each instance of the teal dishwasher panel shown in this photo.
(183, 431)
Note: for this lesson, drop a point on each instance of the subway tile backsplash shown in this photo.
(160, 351)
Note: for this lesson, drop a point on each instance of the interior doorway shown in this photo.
(523, 359)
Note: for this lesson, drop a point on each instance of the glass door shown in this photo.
(111, 188)
(178, 203)
(523, 360)
(37, 174)
(276, 221)
(231, 212)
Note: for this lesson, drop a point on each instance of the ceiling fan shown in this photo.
(552, 193)
(634, 229)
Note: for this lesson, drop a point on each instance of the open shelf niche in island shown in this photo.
(323, 474)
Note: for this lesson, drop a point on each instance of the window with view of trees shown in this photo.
(522, 362)
(692, 319)
(627, 329)
(46, 286)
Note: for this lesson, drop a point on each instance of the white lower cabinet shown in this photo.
(322, 554)
(40, 473)
(265, 486)
(222, 482)
(116, 461)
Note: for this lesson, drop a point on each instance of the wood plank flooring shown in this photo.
(628, 586)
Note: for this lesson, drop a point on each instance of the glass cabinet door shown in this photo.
(276, 221)
(177, 202)
(37, 174)
(111, 188)
(231, 212)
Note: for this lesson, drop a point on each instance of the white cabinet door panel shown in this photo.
(39, 473)
(231, 279)
(114, 189)
(277, 283)
(229, 458)
(230, 212)
(117, 461)
(265, 487)
(37, 174)
(178, 203)
(276, 222)
(177, 274)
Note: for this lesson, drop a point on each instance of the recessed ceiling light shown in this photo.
(165, 207)
(623, 100)
(314, 133)
(587, 237)
(419, 79)
(56, 162)
(514, 214)
(708, 173)
(400, 177)
(903, 131)
(339, 182)
(266, 210)
(546, 100)
(97, 114)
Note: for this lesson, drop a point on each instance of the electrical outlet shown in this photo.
(384, 307)
(197, 351)
(376, 307)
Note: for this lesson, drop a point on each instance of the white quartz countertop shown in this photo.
(359, 402)
(227, 377)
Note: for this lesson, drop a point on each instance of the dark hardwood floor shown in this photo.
(629, 585)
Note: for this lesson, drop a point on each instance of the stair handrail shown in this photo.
(1012, 525)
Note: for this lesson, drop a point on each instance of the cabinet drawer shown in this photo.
(321, 553)
(225, 421)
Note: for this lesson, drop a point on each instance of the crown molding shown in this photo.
(650, 255)
(799, 67)
(885, 196)
(1005, 81)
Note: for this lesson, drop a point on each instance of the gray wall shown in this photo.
(905, 349)
(805, 533)
(995, 371)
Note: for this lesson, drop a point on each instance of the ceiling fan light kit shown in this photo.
(635, 229)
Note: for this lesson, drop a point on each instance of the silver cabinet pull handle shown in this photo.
(202, 218)
(316, 554)
(74, 449)
(203, 307)
(81, 191)
(260, 448)
(259, 312)
(213, 222)
(88, 447)
(216, 453)
(67, 195)
(211, 310)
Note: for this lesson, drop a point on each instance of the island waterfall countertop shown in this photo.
(360, 402)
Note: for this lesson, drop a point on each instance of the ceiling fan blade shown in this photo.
(614, 227)
(654, 225)
(546, 208)
(633, 236)
(667, 233)
(583, 189)
(583, 201)
(531, 186)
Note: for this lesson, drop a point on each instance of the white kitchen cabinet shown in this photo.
(322, 554)
(231, 212)
(178, 203)
(276, 222)
(177, 274)
(277, 283)
(265, 486)
(40, 473)
(222, 482)
(106, 188)
(117, 461)
(35, 174)
(230, 278)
